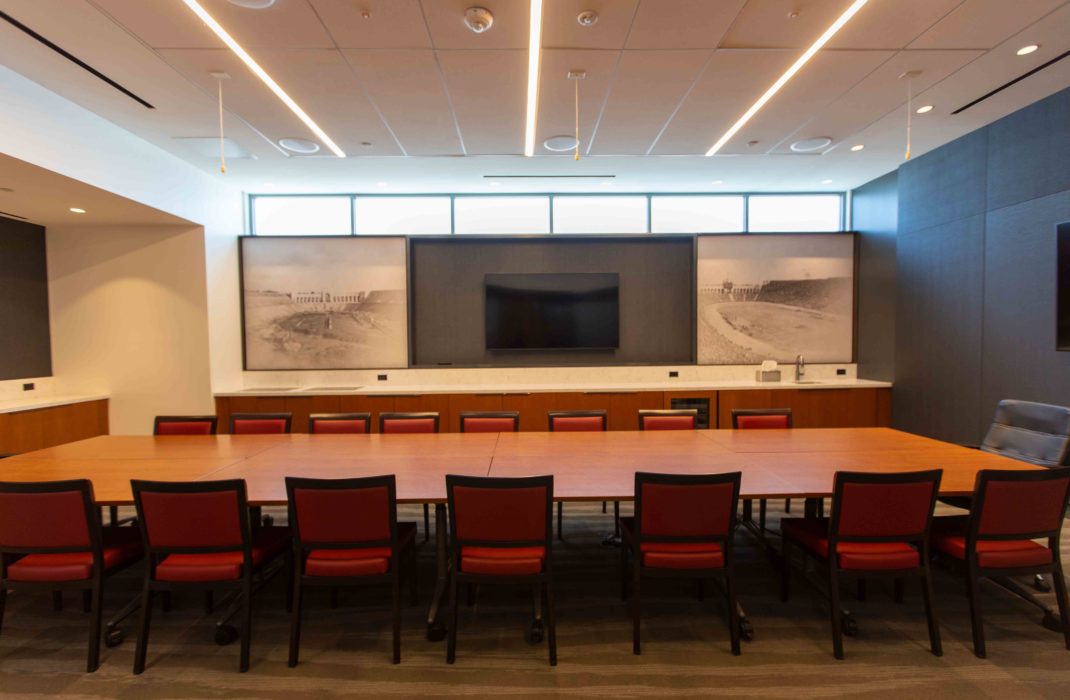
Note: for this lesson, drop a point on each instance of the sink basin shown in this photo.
(807, 381)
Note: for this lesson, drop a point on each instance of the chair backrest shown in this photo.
(260, 423)
(193, 516)
(876, 507)
(502, 512)
(185, 425)
(339, 423)
(1019, 504)
(686, 507)
(1037, 433)
(490, 421)
(668, 419)
(51, 516)
(577, 421)
(423, 422)
(337, 513)
(761, 418)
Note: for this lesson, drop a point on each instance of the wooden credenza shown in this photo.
(38, 428)
(854, 407)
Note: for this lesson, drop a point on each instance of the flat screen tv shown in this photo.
(552, 311)
(1062, 283)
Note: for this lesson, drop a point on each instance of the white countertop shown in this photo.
(36, 402)
(602, 387)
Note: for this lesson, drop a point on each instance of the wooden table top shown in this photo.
(586, 466)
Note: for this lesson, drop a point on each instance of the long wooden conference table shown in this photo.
(600, 466)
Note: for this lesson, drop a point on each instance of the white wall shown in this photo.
(129, 317)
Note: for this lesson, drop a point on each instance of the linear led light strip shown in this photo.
(788, 74)
(534, 51)
(262, 74)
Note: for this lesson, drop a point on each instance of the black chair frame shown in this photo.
(213, 420)
(591, 413)
(240, 590)
(542, 582)
(515, 415)
(655, 412)
(383, 418)
(286, 416)
(726, 574)
(92, 588)
(366, 417)
(748, 504)
(920, 541)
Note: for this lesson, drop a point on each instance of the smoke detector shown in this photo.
(478, 19)
(587, 18)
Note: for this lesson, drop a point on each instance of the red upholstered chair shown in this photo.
(51, 539)
(346, 534)
(581, 422)
(197, 536)
(762, 419)
(490, 421)
(184, 425)
(421, 422)
(669, 419)
(502, 534)
(683, 527)
(1010, 510)
(260, 423)
(340, 423)
(879, 528)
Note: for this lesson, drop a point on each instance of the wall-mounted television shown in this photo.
(1062, 300)
(548, 311)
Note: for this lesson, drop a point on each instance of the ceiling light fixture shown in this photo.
(296, 145)
(478, 19)
(788, 74)
(534, 57)
(924, 109)
(858, 147)
(262, 74)
(1026, 50)
(77, 210)
(253, 4)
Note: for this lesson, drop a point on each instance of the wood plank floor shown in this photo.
(346, 652)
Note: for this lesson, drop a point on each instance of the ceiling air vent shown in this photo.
(1006, 85)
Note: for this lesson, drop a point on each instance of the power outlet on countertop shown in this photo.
(382, 377)
(840, 371)
(28, 386)
(673, 373)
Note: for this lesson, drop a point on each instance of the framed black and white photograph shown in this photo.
(319, 303)
(773, 297)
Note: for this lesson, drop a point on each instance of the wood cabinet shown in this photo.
(36, 429)
(812, 408)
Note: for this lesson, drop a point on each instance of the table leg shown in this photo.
(436, 631)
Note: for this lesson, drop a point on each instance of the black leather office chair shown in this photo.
(1037, 433)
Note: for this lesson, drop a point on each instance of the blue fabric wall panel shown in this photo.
(1029, 152)
(945, 184)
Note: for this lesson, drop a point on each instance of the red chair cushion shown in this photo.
(762, 422)
(675, 555)
(122, 545)
(502, 561)
(812, 533)
(185, 427)
(409, 425)
(477, 424)
(350, 426)
(578, 424)
(949, 536)
(259, 426)
(358, 561)
(268, 543)
(668, 422)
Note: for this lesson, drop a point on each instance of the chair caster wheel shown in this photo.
(850, 625)
(436, 632)
(113, 638)
(535, 633)
(225, 634)
(746, 630)
(267, 521)
(611, 541)
(1041, 585)
(1052, 622)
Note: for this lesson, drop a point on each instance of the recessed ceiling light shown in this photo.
(78, 210)
(1026, 50)
(263, 75)
(858, 147)
(559, 144)
(826, 182)
(299, 145)
(925, 108)
(812, 144)
(783, 79)
(253, 4)
(534, 56)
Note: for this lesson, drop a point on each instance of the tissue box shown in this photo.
(773, 376)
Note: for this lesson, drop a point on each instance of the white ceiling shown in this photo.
(409, 91)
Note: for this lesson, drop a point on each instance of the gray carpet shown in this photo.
(346, 652)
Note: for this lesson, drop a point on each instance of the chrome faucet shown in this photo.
(800, 367)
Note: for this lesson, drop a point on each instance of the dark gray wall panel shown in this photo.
(875, 218)
(26, 350)
(945, 184)
(938, 330)
(1020, 360)
(1029, 152)
(656, 296)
